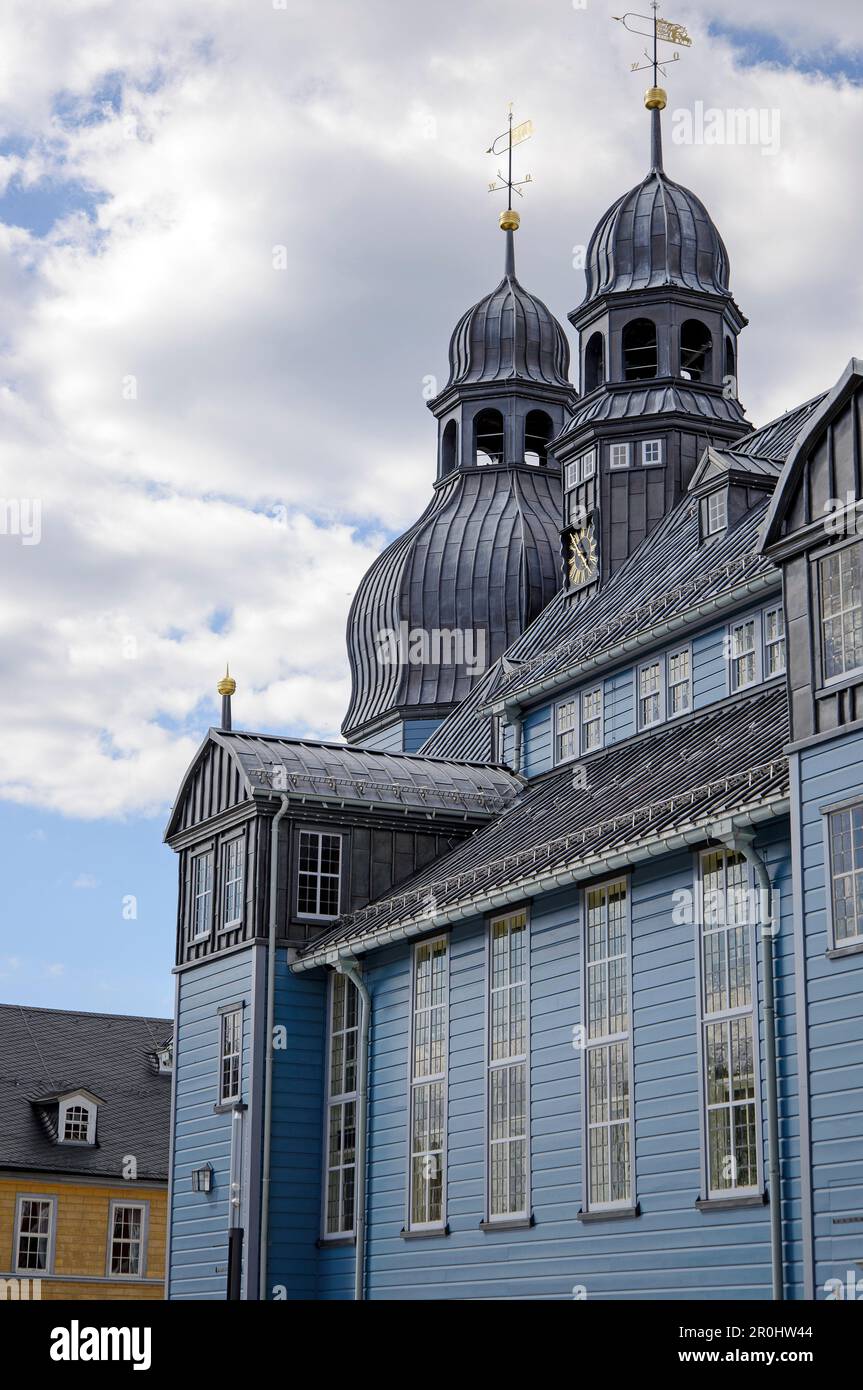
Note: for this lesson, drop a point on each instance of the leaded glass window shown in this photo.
(229, 1056)
(841, 576)
(845, 828)
(566, 730)
(202, 878)
(744, 663)
(233, 853)
(341, 1157)
(649, 694)
(591, 720)
(428, 1084)
(508, 1097)
(679, 682)
(607, 1044)
(774, 642)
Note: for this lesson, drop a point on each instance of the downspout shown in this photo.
(742, 841)
(347, 966)
(268, 1071)
(513, 718)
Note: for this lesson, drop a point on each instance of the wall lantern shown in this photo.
(202, 1178)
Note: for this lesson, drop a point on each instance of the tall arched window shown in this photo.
(696, 348)
(538, 432)
(449, 449)
(594, 362)
(488, 437)
(731, 365)
(640, 360)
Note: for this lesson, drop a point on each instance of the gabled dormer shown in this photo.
(726, 487)
(70, 1117)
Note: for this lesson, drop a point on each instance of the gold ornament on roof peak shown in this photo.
(227, 685)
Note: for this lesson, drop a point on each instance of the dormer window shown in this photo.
(714, 513)
(165, 1056)
(76, 1122)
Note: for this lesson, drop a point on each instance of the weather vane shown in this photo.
(661, 31)
(504, 144)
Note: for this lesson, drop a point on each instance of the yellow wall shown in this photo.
(81, 1247)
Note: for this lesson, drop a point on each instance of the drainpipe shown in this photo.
(268, 1074)
(347, 966)
(743, 842)
(513, 718)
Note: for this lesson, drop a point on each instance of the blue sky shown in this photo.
(152, 157)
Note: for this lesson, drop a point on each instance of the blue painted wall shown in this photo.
(199, 1221)
(709, 668)
(672, 1250)
(537, 741)
(416, 731)
(829, 772)
(619, 705)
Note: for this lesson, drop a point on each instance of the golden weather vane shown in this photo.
(661, 31)
(504, 144)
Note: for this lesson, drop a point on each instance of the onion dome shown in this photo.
(510, 334)
(657, 234)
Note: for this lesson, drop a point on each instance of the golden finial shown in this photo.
(656, 98)
(510, 220)
(227, 685)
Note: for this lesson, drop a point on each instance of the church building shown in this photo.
(548, 982)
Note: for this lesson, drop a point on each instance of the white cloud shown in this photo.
(353, 136)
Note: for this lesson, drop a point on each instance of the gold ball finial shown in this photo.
(227, 685)
(656, 98)
(509, 220)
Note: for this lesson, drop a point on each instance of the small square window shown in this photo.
(573, 473)
(651, 451)
(588, 464)
(618, 455)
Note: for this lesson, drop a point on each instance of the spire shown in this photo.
(226, 687)
(656, 98)
(509, 268)
(655, 135)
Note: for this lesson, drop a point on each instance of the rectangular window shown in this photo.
(608, 1158)
(34, 1230)
(650, 694)
(565, 730)
(127, 1240)
(319, 874)
(428, 1085)
(774, 642)
(202, 889)
(591, 720)
(717, 513)
(845, 833)
(651, 451)
(588, 464)
(727, 1022)
(573, 473)
(233, 862)
(841, 585)
(341, 1161)
(508, 1099)
(744, 662)
(618, 455)
(229, 1055)
(679, 676)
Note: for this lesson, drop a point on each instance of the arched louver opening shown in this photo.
(594, 363)
(488, 437)
(730, 367)
(538, 433)
(449, 449)
(696, 349)
(640, 356)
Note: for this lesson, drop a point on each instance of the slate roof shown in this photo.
(49, 1052)
(675, 781)
(632, 401)
(775, 439)
(483, 557)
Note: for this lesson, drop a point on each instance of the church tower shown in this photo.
(658, 330)
(445, 599)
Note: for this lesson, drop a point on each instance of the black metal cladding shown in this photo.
(509, 334)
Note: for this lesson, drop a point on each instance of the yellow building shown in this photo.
(84, 1123)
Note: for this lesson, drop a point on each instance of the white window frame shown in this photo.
(659, 662)
(651, 444)
(50, 1236)
(587, 461)
(836, 553)
(780, 641)
(670, 685)
(715, 524)
(76, 1102)
(582, 742)
(573, 473)
(855, 873)
(621, 452)
(141, 1273)
(507, 1063)
(319, 875)
(602, 1045)
(202, 918)
(734, 657)
(574, 730)
(228, 1012)
(725, 1017)
(236, 845)
(338, 1100)
(417, 1082)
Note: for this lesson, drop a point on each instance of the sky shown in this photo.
(234, 240)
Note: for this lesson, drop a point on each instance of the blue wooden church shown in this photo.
(547, 983)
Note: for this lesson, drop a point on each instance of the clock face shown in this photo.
(581, 554)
